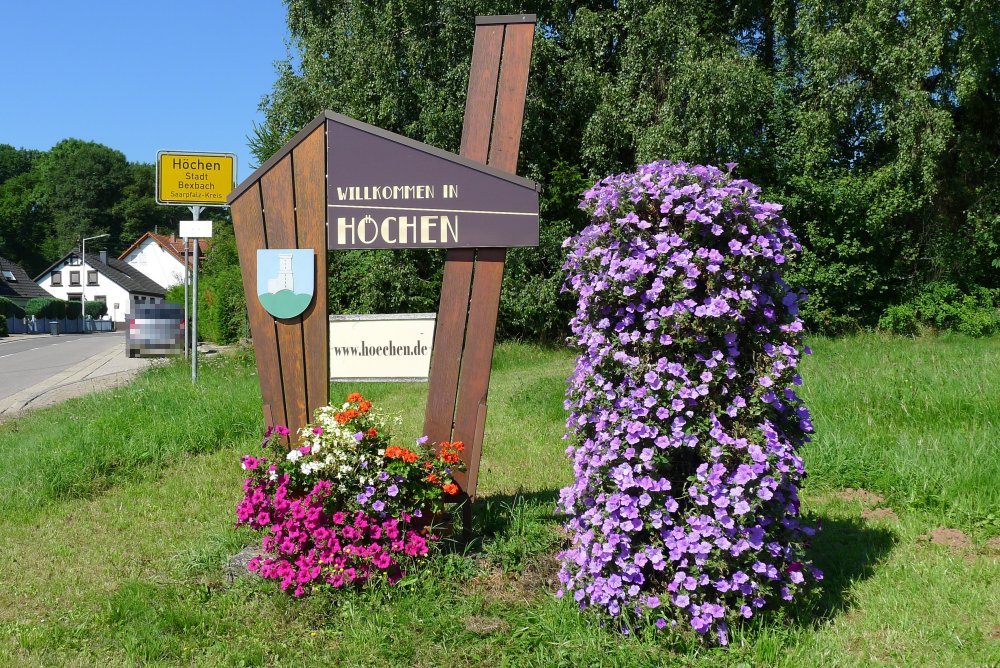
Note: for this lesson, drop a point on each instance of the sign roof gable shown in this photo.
(378, 132)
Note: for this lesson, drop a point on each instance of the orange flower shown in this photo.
(449, 457)
(458, 446)
(432, 479)
(354, 397)
(365, 406)
(372, 433)
(450, 489)
(344, 417)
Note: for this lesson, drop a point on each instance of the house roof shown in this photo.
(117, 271)
(171, 244)
(22, 287)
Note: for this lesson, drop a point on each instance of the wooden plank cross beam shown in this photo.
(470, 292)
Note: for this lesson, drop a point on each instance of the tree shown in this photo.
(80, 183)
(877, 124)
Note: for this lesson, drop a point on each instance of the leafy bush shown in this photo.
(46, 307)
(3, 326)
(74, 309)
(9, 309)
(96, 309)
(944, 306)
(684, 424)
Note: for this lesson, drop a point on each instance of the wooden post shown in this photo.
(470, 292)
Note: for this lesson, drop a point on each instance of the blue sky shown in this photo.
(138, 76)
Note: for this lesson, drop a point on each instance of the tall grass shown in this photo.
(916, 420)
(138, 487)
(91, 443)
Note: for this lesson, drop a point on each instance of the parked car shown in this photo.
(155, 329)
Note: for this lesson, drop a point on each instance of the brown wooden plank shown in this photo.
(279, 221)
(309, 163)
(474, 382)
(481, 98)
(511, 91)
(248, 224)
(453, 306)
(477, 357)
(449, 338)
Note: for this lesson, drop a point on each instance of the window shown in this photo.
(74, 260)
(9, 275)
(91, 277)
(74, 297)
(101, 298)
(56, 278)
(74, 278)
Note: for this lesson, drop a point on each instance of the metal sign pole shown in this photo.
(195, 212)
(187, 318)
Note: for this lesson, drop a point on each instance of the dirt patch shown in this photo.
(995, 633)
(993, 546)
(863, 495)
(880, 514)
(952, 538)
(485, 626)
(539, 578)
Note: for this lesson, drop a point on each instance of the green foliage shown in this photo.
(96, 309)
(222, 309)
(9, 309)
(3, 327)
(49, 200)
(876, 124)
(74, 309)
(943, 306)
(46, 307)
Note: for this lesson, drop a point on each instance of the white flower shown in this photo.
(306, 468)
(294, 455)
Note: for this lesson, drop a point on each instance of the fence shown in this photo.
(66, 326)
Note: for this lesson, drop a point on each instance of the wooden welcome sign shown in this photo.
(342, 184)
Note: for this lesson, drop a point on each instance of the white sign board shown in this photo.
(388, 347)
(192, 229)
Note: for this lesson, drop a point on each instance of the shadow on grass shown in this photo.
(520, 528)
(848, 551)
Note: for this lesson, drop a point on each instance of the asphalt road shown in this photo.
(29, 361)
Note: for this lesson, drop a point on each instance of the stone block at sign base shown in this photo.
(236, 567)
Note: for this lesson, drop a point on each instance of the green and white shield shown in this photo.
(286, 280)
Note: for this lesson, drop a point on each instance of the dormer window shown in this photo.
(9, 275)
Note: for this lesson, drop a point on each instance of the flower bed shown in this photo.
(343, 505)
(684, 424)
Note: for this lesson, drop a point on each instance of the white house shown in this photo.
(160, 257)
(100, 278)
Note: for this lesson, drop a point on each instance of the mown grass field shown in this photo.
(116, 517)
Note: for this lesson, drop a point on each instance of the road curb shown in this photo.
(17, 402)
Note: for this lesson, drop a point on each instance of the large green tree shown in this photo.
(49, 200)
(877, 124)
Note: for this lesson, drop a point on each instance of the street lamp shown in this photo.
(83, 283)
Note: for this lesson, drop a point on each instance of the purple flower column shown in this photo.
(684, 423)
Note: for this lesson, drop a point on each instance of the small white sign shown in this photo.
(196, 229)
(386, 347)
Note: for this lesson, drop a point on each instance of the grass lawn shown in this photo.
(117, 512)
